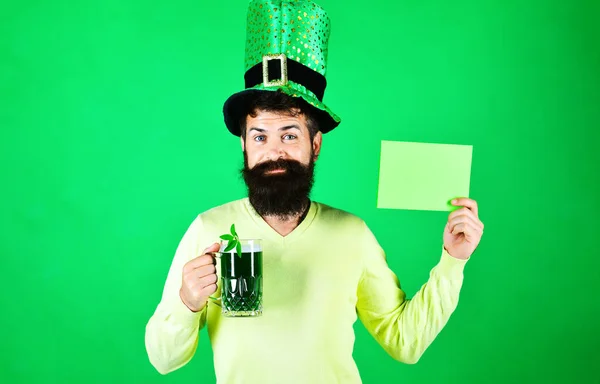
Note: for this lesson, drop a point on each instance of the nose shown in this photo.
(274, 152)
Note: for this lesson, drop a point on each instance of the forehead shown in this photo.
(269, 120)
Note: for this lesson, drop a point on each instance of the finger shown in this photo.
(465, 211)
(473, 234)
(207, 280)
(213, 248)
(466, 228)
(459, 212)
(206, 258)
(457, 228)
(465, 216)
(198, 262)
(205, 271)
(466, 202)
(196, 285)
(208, 290)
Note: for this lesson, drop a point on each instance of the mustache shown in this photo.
(285, 164)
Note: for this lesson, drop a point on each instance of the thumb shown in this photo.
(213, 248)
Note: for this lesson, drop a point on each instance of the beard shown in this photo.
(283, 195)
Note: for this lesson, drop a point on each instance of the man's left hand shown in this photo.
(463, 230)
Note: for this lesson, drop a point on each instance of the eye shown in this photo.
(289, 136)
(260, 138)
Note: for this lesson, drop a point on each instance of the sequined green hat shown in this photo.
(286, 50)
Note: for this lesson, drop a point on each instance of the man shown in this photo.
(323, 267)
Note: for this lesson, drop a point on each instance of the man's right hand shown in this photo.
(199, 279)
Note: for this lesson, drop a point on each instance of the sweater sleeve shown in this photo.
(173, 330)
(406, 327)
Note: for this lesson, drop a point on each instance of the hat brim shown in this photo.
(235, 106)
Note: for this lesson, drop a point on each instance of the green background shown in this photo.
(112, 141)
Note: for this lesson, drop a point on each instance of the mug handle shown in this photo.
(216, 300)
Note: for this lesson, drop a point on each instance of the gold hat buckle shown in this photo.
(265, 67)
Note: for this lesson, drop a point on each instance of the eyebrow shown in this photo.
(286, 128)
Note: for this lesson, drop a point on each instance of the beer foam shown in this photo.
(246, 248)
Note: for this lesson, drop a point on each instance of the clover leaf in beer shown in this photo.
(233, 241)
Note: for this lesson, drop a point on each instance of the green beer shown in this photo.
(241, 280)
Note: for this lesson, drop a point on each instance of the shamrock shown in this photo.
(233, 241)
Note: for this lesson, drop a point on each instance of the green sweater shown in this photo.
(316, 281)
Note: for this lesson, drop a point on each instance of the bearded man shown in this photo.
(323, 267)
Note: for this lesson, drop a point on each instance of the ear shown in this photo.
(243, 143)
(317, 141)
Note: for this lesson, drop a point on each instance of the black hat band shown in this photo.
(283, 69)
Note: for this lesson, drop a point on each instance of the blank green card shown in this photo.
(423, 176)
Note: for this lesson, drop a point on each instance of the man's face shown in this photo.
(271, 136)
(279, 163)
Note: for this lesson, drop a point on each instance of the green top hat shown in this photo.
(286, 50)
